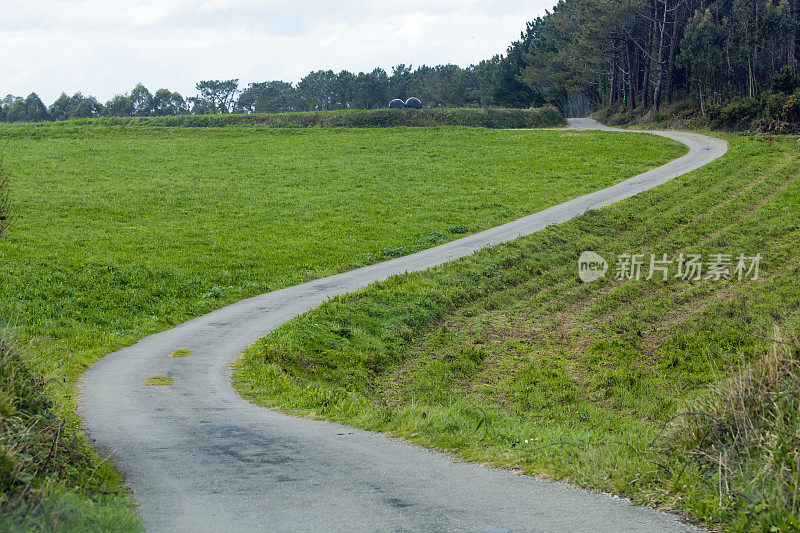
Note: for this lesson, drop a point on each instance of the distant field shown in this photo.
(506, 357)
(121, 232)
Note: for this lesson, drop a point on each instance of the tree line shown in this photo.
(632, 53)
(643, 53)
(438, 86)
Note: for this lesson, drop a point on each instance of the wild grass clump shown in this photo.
(29, 441)
(49, 477)
(737, 448)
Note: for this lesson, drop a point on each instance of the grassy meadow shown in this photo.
(680, 394)
(123, 231)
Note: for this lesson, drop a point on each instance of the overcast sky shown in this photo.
(105, 47)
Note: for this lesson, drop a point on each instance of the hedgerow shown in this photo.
(547, 116)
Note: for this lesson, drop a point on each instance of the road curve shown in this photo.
(200, 458)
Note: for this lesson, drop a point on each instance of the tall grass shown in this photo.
(49, 476)
(738, 446)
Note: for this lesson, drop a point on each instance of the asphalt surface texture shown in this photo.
(200, 458)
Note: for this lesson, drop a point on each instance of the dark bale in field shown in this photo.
(414, 103)
(397, 104)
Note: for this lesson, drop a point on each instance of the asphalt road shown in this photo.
(200, 458)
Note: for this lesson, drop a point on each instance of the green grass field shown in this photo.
(505, 357)
(123, 232)
(120, 232)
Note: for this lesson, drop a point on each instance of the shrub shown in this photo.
(779, 113)
(737, 113)
(791, 109)
(785, 81)
(771, 112)
(685, 108)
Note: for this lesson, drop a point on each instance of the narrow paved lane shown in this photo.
(200, 458)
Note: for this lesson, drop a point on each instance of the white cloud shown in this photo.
(104, 47)
(146, 15)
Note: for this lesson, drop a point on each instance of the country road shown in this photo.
(200, 458)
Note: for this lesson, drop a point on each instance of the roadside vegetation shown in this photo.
(679, 394)
(776, 111)
(50, 477)
(119, 232)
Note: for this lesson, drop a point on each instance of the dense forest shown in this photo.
(734, 59)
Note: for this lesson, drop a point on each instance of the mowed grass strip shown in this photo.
(505, 357)
(122, 232)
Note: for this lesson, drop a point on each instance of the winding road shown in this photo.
(200, 458)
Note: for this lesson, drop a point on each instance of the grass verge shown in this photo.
(50, 478)
(505, 357)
